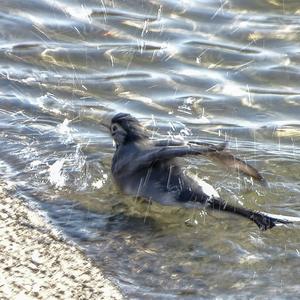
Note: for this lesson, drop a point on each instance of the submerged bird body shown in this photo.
(149, 169)
(162, 181)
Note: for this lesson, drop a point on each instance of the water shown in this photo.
(209, 70)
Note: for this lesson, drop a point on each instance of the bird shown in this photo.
(148, 168)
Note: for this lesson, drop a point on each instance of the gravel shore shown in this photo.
(37, 263)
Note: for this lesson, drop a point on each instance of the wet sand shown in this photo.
(38, 263)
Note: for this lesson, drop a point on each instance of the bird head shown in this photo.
(125, 128)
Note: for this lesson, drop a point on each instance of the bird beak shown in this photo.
(105, 119)
(98, 116)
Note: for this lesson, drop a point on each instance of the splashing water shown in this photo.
(210, 70)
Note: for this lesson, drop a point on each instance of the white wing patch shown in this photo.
(206, 188)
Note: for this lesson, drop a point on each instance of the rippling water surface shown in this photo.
(213, 70)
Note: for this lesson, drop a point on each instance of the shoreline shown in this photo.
(38, 263)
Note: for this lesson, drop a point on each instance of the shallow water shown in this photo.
(208, 70)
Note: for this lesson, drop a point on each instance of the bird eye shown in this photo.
(114, 128)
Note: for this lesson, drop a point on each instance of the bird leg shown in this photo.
(262, 220)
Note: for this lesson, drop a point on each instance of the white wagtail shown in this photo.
(148, 168)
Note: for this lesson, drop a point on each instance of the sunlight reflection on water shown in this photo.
(208, 70)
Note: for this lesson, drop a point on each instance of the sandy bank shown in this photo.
(36, 262)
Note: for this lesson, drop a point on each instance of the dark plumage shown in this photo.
(146, 168)
(132, 125)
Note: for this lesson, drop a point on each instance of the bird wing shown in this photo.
(162, 153)
(172, 143)
(225, 158)
(169, 142)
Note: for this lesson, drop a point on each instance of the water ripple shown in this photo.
(207, 70)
